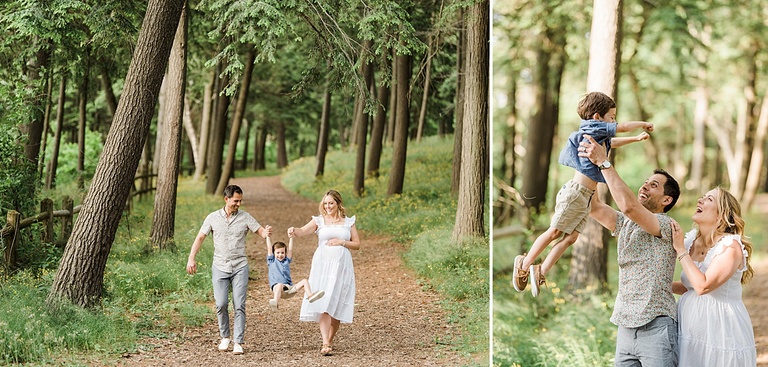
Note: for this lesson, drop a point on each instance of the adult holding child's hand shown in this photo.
(332, 268)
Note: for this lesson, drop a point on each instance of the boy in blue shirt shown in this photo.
(279, 272)
(598, 114)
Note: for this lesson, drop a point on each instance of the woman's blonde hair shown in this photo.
(730, 221)
(337, 198)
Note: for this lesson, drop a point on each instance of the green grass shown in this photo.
(422, 217)
(560, 329)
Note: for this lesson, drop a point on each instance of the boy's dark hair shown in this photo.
(671, 188)
(278, 245)
(230, 191)
(595, 103)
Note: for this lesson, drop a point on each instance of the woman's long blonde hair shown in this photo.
(729, 221)
(337, 198)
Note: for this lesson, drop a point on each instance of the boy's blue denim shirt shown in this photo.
(602, 132)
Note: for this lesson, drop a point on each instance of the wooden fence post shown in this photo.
(46, 206)
(66, 224)
(13, 218)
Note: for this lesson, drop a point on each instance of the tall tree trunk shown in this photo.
(234, 132)
(540, 134)
(756, 159)
(217, 136)
(34, 129)
(425, 92)
(205, 127)
(46, 123)
(362, 121)
(589, 264)
(470, 211)
(106, 85)
(459, 103)
(260, 145)
(81, 121)
(164, 215)
(325, 125)
(160, 130)
(50, 179)
(80, 276)
(402, 121)
(246, 140)
(391, 121)
(189, 128)
(377, 133)
(282, 154)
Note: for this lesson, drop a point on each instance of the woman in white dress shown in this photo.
(332, 269)
(714, 326)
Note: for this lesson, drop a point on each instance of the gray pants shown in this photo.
(651, 345)
(222, 282)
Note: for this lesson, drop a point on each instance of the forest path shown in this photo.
(396, 322)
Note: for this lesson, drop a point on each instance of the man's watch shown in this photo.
(605, 165)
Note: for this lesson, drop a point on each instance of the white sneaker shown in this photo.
(273, 304)
(316, 296)
(224, 345)
(238, 349)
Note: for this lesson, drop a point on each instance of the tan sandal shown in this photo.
(326, 350)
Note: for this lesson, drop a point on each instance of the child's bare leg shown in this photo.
(540, 244)
(557, 251)
(277, 291)
(303, 284)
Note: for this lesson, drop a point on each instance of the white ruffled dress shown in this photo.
(333, 272)
(715, 328)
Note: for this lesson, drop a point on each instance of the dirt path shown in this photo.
(396, 322)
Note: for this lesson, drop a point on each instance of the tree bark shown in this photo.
(471, 203)
(362, 122)
(589, 264)
(325, 125)
(106, 85)
(425, 91)
(164, 215)
(205, 127)
(80, 276)
(392, 103)
(46, 123)
(34, 129)
(218, 134)
(402, 121)
(50, 179)
(282, 155)
(377, 132)
(81, 121)
(459, 103)
(260, 144)
(189, 128)
(234, 132)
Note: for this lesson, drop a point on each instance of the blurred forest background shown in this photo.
(696, 69)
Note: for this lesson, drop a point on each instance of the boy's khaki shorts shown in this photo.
(571, 207)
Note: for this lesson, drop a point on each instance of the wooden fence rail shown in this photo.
(14, 222)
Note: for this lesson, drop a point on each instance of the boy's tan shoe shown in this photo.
(519, 275)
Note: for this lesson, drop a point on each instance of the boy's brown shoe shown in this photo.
(519, 275)
(537, 279)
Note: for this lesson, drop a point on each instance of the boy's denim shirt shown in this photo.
(602, 132)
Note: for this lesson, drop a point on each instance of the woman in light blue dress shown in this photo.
(714, 328)
(332, 269)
